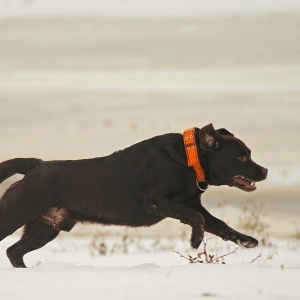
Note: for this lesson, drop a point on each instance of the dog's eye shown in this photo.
(242, 158)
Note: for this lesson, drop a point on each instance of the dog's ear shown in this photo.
(209, 138)
(224, 131)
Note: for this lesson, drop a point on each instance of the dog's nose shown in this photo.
(265, 171)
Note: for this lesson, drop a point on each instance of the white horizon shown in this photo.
(143, 8)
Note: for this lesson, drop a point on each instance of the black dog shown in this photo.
(138, 186)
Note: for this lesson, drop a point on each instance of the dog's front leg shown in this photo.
(170, 208)
(217, 227)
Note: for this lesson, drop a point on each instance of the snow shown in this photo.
(68, 268)
(148, 282)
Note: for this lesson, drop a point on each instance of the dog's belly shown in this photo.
(112, 211)
(125, 218)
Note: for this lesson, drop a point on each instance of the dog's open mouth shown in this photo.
(244, 183)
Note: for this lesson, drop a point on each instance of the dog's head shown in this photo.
(229, 160)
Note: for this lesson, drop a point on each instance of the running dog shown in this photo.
(139, 186)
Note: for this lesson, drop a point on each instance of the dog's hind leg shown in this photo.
(25, 201)
(39, 232)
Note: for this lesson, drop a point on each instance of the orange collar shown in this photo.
(193, 159)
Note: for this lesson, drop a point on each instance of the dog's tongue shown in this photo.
(249, 185)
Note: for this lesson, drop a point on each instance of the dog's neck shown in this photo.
(193, 157)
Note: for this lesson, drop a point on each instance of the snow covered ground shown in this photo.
(82, 79)
(70, 268)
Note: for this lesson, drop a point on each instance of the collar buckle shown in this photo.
(202, 185)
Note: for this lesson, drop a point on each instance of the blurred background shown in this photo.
(81, 79)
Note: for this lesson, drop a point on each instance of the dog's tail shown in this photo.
(17, 165)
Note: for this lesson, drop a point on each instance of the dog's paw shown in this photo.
(247, 241)
(195, 242)
(197, 237)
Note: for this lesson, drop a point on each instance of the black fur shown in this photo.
(138, 186)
